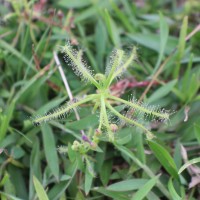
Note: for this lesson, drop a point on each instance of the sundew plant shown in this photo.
(103, 100)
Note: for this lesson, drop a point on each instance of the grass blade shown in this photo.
(181, 46)
(143, 191)
(39, 189)
(187, 164)
(50, 149)
(164, 158)
(172, 190)
(164, 32)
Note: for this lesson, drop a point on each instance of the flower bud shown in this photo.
(60, 14)
(98, 132)
(85, 138)
(99, 77)
(94, 145)
(113, 127)
(75, 145)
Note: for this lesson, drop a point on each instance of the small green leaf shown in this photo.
(172, 191)
(39, 189)
(145, 189)
(187, 164)
(164, 158)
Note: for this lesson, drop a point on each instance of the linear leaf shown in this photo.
(127, 185)
(164, 31)
(145, 189)
(164, 158)
(187, 164)
(172, 190)
(162, 91)
(39, 189)
(50, 149)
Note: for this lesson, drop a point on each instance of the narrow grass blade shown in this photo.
(39, 189)
(12, 50)
(187, 164)
(172, 191)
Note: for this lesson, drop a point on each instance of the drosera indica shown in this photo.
(119, 62)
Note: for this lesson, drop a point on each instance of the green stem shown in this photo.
(127, 119)
(65, 110)
(136, 106)
(105, 119)
(104, 113)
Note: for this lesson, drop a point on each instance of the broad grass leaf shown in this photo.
(127, 185)
(58, 189)
(164, 158)
(105, 171)
(112, 29)
(151, 41)
(42, 195)
(112, 194)
(10, 197)
(87, 122)
(197, 131)
(100, 32)
(91, 11)
(162, 91)
(145, 189)
(74, 3)
(50, 149)
(5, 120)
(172, 191)
(88, 178)
(35, 166)
(181, 46)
